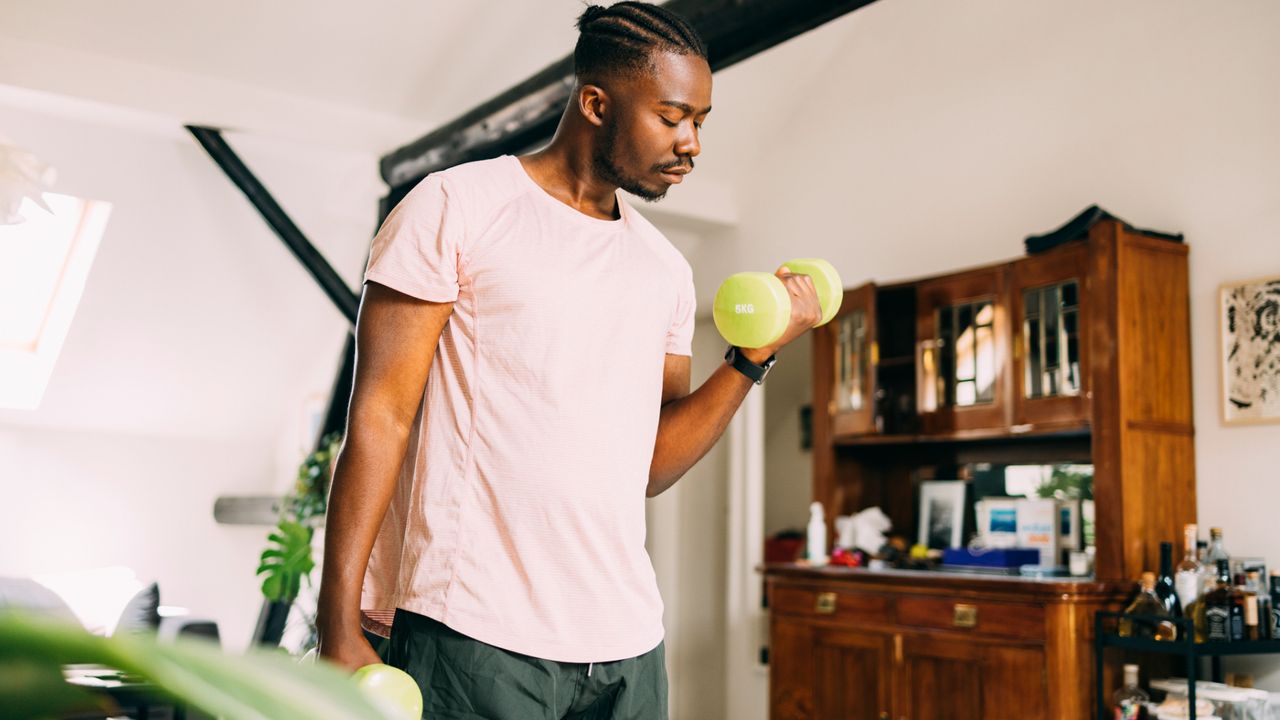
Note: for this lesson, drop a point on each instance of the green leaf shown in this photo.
(287, 562)
(253, 686)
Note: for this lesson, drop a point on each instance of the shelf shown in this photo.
(906, 360)
(962, 436)
(1205, 649)
(1183, 646)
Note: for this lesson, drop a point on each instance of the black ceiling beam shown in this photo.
(330, 282)
(527, 114)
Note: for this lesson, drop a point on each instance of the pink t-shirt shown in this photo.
(519, 516)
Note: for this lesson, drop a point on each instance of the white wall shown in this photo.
(185, 374)
(687, 542)
(788, 467)
(946, 132)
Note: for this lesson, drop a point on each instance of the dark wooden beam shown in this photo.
(275, 216)
(527, 114)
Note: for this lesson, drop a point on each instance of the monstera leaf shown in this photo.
(258, 685)
(286, 561)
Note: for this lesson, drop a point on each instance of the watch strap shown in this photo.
(755, 373)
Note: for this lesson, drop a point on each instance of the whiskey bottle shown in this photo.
(1217, 607)
(1186, 578)
(1148, 604)
(1164, 582)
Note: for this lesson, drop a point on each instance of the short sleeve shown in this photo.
(680, 334)
(418, 249)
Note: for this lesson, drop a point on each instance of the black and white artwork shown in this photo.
(1250, 317)
(942, 513)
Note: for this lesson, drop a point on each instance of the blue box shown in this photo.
(992, 557)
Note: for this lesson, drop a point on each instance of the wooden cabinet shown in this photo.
(942, 677)
(851, 674)
(926, 647)
(1080, 354)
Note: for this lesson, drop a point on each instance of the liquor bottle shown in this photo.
(1164, 582)
(1237, 607)
(1251, 631)
(1130, 701)
(1147, 603)
(1217, 607)
(1275, 604)
(1217, 550)
(1264, 605)
(1186, 578)
(1200, 618)
(1208, 570)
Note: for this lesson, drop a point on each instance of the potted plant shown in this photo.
(287, 561)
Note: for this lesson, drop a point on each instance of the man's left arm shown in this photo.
(690, 423)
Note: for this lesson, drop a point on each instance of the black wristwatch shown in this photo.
(754, 372)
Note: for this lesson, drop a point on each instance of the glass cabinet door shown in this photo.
(853, 348)
(966, 351)
(1051, 310)
(1051, 340)
(963, 352)
(853, 358)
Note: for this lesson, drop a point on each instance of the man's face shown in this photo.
(649, 139)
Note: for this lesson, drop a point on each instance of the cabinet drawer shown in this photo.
(829, 604)
(993, 619)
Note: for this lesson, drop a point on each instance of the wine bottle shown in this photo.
(1164, 582)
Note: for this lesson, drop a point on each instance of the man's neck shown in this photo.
(568, 177)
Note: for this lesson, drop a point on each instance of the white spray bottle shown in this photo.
(817, 540)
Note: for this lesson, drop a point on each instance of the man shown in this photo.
(505, 487)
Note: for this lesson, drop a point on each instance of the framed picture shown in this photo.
(942, 513)
(997, 522)
(1249, 317)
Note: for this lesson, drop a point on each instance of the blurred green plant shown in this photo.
(287, 561)
(1067, 482)
(258, 685)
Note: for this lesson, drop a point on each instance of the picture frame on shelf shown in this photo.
(942, 507)
(1249, 352)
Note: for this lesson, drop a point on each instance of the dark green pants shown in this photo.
(465, 679)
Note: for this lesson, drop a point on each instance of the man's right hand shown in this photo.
(348, 651)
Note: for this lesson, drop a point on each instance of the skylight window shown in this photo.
(44, 262)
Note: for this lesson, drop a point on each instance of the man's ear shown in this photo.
(593, 102)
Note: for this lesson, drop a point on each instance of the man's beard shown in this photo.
(607, 169)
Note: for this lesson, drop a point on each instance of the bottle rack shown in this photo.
(1106, 635)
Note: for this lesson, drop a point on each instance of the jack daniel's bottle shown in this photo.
(1222, 623)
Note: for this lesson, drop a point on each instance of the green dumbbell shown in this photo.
(392, 690)
(752, 309)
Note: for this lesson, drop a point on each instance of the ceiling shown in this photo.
(368, 76)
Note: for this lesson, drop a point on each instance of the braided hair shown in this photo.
(621, 37)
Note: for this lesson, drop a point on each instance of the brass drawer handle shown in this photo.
(826, 604)
(966, 616)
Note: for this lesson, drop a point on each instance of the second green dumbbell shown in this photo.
(752, 309)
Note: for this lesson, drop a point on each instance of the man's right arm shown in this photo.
(396, 338)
